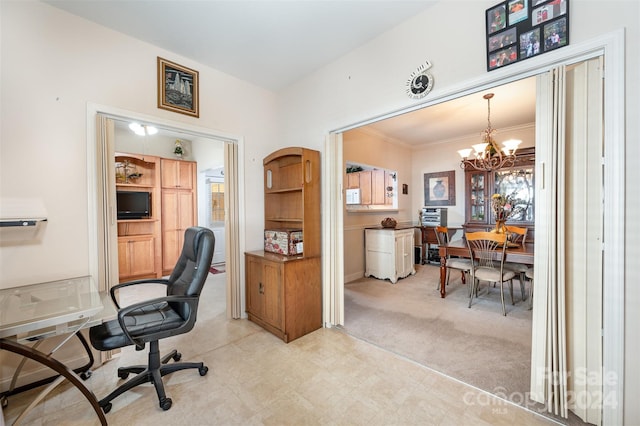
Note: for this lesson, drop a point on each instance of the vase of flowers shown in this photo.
(502, 206)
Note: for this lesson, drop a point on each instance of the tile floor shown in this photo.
(324, 378)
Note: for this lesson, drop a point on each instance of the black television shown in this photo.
(133, 204)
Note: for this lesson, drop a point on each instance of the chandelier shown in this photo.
(487, 155)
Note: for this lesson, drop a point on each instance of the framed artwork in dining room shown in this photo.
(440, 188)
(520, 29)
(178, 88)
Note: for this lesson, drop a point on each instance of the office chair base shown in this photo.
(152, 373)
(123, 372)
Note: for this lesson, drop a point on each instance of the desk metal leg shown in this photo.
(84, 372)
(56, 366)
(443, 275)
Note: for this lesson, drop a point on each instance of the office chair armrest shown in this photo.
(122, 313)
(135, 282)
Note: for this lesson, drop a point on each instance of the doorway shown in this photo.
(100, 162)
(442, 334)
(611, 46)
(215, 212)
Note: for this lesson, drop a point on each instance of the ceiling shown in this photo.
(513, 105)
(288, 40)
(270, 43)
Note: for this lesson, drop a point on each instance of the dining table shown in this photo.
(515, 253)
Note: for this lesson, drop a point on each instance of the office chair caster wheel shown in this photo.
(123, 375)
(85, 375)
(107, 407)
(177, 357)
(165, 404)
(4, 401)
(203, 370)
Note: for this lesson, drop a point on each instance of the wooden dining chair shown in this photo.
(462, 265)
(517, 235)
(488, 250)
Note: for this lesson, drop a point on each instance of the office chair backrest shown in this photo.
(192, 267)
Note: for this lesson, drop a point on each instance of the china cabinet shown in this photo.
(517, 181)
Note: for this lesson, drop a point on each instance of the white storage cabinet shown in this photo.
(389, 253)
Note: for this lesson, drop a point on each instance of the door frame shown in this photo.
(233, 280)
(612, 47)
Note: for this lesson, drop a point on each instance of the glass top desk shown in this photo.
(37, 311)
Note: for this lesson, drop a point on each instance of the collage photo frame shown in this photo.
(522, 29)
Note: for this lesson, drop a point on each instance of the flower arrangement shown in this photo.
(502, 205)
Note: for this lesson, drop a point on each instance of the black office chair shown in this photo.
(155, 319)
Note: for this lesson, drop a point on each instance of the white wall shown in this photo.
(53, 64)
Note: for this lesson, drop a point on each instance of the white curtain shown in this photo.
(585, 232)
(106, 202)
(107, 224)
(232, 225)
(333, 232)
(548, 355)
(566, 343)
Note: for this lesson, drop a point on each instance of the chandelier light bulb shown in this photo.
(480, 148)
(465, 153)
(511, 145)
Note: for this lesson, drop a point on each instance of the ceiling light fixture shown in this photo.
(488, 156)
(142, 129)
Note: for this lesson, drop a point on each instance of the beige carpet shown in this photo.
(476, 345)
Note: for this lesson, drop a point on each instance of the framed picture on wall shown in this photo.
(521, 29)
(440, 188)
(178, 88)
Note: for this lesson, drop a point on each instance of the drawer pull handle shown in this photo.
(260, 288)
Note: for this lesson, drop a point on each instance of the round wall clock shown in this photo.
(420, 82)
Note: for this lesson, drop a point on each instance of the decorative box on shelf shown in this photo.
(283, 241)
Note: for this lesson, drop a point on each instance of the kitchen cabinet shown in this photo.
(178, 214)
(178, 174)
(353, 180)
(365, 188)
(389, 253)
(136, 256)
(179, 207)
(373, 186)
(139, 240)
